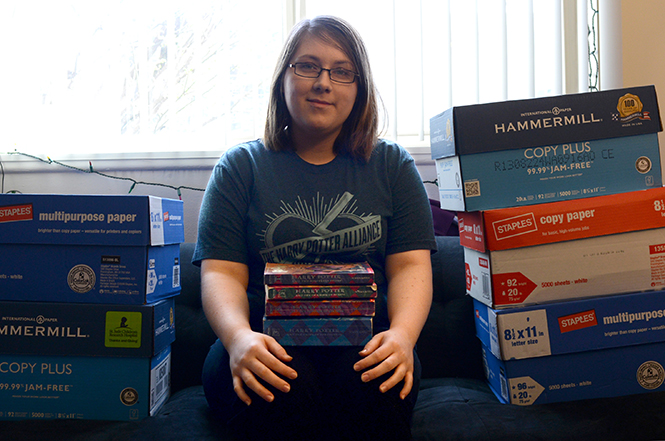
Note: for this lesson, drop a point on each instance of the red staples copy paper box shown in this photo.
(595, 266)
(516, 227)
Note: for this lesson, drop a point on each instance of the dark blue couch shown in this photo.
(454, 402)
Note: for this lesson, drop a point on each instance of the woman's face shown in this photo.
(318, 106)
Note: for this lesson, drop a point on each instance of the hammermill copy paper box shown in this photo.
(595, 266)
(524, 152)
(602, 373)
(87, 329)
(509, 178)
(89, 248)
(573, 326)
(95, 388)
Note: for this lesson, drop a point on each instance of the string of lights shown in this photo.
(592, 45)
(91, 170)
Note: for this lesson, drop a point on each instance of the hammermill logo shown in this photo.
(39, 326)
(546, 119)
(123, 329)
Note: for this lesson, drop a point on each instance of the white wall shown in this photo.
(643, 48)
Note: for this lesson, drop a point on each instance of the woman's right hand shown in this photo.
(255, 356)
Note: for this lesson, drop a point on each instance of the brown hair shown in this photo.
(360, 131)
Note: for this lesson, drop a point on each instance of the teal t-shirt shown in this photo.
(262, 206)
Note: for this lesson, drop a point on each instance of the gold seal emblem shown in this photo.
(629, 104)
(650, 375)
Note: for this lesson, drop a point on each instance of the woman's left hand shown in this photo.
(409, 276)
(390, 350)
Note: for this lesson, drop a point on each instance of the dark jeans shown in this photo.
(327, 401)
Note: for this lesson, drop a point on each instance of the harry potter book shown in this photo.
(318, 292)
(317, 308)
(360, 273)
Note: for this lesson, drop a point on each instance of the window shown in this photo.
(160, 76)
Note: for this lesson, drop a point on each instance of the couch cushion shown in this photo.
(448, 346)
(466, 409)
(193, 335)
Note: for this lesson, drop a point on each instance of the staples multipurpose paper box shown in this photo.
(563, 119)
(572, 326)
(596, 266)
(538, 224)
(91, 388)
(86, 329)
(553, 172)
(89, 249)
(89, 274)
(625, 370)
(118, 220)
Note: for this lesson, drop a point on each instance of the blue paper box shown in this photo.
(89, 249)
(89, 274)
(572, 326)
(87, 329)
(90, 388)
(551, 172)
(119, 220)
(604, 373)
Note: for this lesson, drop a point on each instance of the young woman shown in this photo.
(319, 187)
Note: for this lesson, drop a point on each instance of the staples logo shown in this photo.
(15, 213)
(577, 321)
(514, 226)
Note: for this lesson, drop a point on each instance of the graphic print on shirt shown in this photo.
(320, 231)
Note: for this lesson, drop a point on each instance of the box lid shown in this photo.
(90, 219)
(543, 121)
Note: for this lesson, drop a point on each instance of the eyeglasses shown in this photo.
(311, 70)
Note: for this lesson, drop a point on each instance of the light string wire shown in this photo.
(91, 170)
(592, 47)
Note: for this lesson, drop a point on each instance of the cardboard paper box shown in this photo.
(89, 274)
(516, 227)
(596, 266)
(89, 248)
(552, 172)
(603, 373)
(95, 388)
(563, 119)
(115, 220)
(572, 326)
(36, 328)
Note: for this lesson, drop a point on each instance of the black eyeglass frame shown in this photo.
(330, 73)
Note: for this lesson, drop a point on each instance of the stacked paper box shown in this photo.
(564, 250)
(319, 304)
(526, 152)
(564, 247)
(86, 305)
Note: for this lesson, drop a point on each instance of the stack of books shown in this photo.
(562, 218)
(87, 286)
(319, 304)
